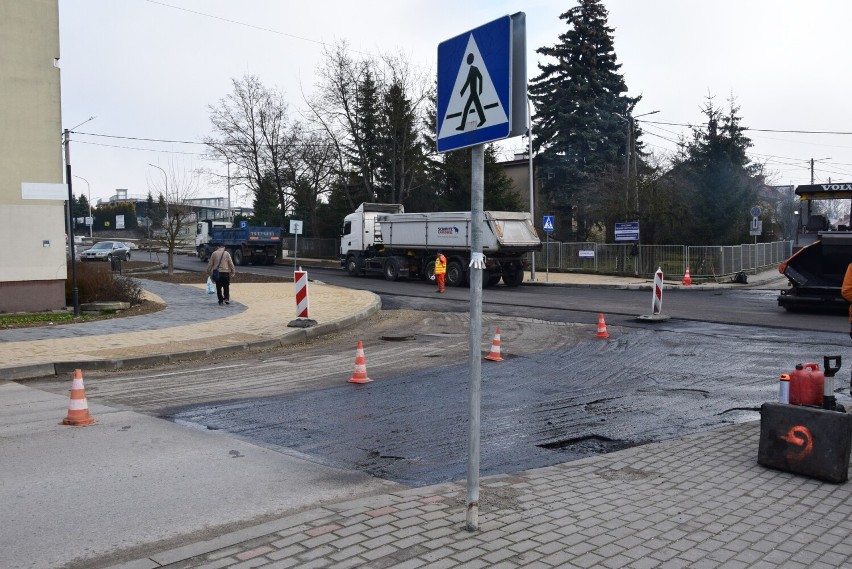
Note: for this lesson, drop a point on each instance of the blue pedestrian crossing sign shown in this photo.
(479, 99)
(548, 223)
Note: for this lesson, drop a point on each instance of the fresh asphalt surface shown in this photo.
(538, 409)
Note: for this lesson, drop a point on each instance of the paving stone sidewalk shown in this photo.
(701, 501)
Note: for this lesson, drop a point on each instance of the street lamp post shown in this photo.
(89, 191)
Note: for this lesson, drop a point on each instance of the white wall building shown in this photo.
(34, 269)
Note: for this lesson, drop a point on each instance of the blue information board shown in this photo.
(547, 224)
(627, 231)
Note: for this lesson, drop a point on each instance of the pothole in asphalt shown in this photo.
(587, 444)
(398, 338)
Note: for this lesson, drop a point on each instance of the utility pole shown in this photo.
(531, 181)
(812, 167)
(74, 292)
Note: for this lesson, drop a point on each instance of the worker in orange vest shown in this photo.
(440, 270)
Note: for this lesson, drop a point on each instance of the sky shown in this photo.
(150, 69)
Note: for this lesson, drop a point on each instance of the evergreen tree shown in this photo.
(401, 153)
(718, 178)
(267, 210)
(81, 206)
(363, 149)
(581, 112)
(456, 177)
(162, 212)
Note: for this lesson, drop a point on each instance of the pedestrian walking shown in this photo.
(220, 268)
(440, 270)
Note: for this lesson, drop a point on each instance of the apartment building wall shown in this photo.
(33, 271)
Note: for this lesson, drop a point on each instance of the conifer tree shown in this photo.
(718, 178)
(581, 109)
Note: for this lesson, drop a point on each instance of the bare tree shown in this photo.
(312, 171)
(251, 132)
(335, 110)
(176, 186)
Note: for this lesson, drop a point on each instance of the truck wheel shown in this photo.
(492, 279)
(237, 255)
(455, 274)
(512, 275)
(352, 266)
(429, 273)
(391, 269)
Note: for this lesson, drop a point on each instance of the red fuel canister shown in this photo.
(806, 385)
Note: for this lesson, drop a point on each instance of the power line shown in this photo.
(756, 129)
(238, 23)
(252, 26)
(139, 138)
(137, 148)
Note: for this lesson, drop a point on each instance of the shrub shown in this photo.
(96, 282)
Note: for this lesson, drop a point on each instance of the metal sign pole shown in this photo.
(477, 192)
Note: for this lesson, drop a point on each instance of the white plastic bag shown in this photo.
(211, 288)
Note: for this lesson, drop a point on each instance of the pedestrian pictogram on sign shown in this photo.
(548, 223)
(482, 84)
(474, 102)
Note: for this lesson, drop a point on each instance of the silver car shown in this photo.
(106, 251)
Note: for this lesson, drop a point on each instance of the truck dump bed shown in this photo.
(235, 235)
(503, 231)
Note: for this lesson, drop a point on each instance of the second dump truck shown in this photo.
(258, 245)
(383, 239)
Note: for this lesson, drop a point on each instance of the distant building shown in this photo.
(202, 208)
(33, 272)
(518, 170)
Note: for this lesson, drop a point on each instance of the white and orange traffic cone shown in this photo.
(494, 354)
(687, 280)
(360, 373)
(602, 333)
(78, 408)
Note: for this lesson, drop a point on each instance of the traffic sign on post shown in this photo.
(482, 84)
(547, 225)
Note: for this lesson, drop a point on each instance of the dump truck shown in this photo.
(383, 239)
(821, 252)
(258, 245)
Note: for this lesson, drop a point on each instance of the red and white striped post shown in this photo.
(300, 285)
(657, 301)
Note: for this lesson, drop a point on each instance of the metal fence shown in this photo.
(706, 262)
(644, 260)
(311, 247)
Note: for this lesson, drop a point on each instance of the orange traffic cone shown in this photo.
(602, 333)
(687, 280)
(360, 373)
(78, 409)
(494, 354)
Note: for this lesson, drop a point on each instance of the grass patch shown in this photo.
(41, 319)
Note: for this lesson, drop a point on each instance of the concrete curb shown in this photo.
(294, 336)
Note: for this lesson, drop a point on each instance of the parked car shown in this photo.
(106, 251)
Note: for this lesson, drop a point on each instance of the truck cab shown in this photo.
(361, 230)
(203, 232)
